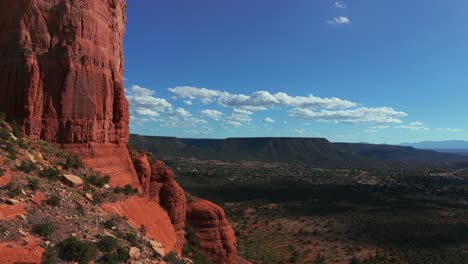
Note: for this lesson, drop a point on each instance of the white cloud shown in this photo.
(268, 120)
(188, 102)
(143, 103)
(147, 112)
(379, 127)
(259, 100)
(340, 5)
(417, 123)
(239, 118)
(371, 131)
(342, 20)
(232, 123)
(415, 126)
(194, 92)
(213, 114)
(453, 130)
(265, 99)
(242, 111)
(299, 132)
(182, 112)
(358, 115)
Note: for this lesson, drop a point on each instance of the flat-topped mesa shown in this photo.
(61, 77)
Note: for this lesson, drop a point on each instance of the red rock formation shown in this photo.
(159, 185)
(140, 211)
(61, 67)
(216, 236)
(20, 252)
(61, 77)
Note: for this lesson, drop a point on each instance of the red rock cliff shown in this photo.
(61, 67)
(158, 185)
(217, 239)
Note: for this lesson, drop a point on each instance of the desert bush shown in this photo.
(127, 190)
(50, 256)
(109, 224)
(33, 184)
(73, 162)
(72, 249)
(50, 174)
(97, 180)
(132, 238)
(45, 229)
(13, 191)
(107, 244)
(27, 166)
(54, 200)
(15, 129)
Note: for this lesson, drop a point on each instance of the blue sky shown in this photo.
(380, 71)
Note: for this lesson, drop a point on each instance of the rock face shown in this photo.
(158, 185)
(61, 77)
(141, 212)
(216, 236)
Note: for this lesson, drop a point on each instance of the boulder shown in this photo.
(72, 180)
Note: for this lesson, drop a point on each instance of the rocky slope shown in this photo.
(61, 79)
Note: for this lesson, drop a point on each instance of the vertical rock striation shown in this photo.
(61, 77)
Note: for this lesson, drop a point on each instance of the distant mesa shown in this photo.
(311, 151)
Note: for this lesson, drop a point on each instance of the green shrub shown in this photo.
(50, 256)
(54, 200)
(45, 230)
(171, 257)
(33, 184)
(73, 162)
(27, 166)
(107, 244)
(12, 151)
(127, 190)
(97, 180)
(5, 135)
(122, 253)
(109, 224)
(50, 174)
(132, 238)
(72, 249)
(2, 117)
(13, 191)
(16, 129)
(109, 258)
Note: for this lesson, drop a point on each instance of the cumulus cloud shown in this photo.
(358, 115)
(342, 20)
(182, 112)
(194, 92)
(242, 111)
(340, 5)
(143, 103)
(259, 100)
(188, 102)
(211, 113)
(268, 120)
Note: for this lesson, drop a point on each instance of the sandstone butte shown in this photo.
(61, 79)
